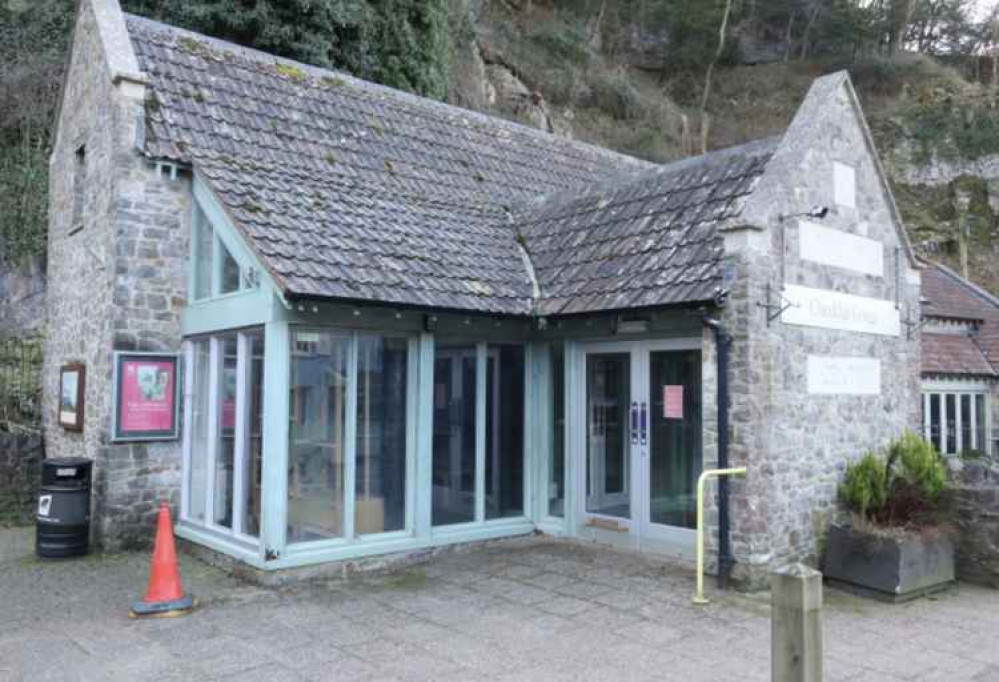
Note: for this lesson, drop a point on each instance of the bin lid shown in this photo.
(81, 462)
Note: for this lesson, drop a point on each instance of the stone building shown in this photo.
(960, 363)
(404, 325)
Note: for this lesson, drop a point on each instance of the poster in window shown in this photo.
(146, 396)
(673, 401)
(72, 379)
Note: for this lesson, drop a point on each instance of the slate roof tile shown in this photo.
(949, 297)
(350, 190)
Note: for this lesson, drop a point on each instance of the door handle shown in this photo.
(645, 424)
(634, 423)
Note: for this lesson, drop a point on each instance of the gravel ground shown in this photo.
(535, 610)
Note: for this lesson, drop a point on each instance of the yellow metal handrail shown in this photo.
(702, 479)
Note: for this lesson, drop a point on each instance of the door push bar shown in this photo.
(634, 423)
(699, 597)
(645, 424)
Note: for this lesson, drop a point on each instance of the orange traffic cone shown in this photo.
(165, 596)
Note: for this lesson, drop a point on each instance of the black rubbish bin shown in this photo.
(63, 515)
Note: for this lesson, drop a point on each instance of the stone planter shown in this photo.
(886, 567)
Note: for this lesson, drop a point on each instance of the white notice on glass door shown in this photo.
(829, 375)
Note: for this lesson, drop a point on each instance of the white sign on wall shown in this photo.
(844, 185)
(841, 249)
(831, 375)
(833, 310)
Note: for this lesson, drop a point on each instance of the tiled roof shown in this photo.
(947, 296)
(647, 242)
(954, 354)
(350, 190)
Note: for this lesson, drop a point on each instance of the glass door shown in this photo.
(643, 441)
(608, 434)
(673, 458)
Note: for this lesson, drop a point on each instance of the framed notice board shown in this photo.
(146, 396)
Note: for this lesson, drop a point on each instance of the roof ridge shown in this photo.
(255, 54)
(967, 284)
(626, 179)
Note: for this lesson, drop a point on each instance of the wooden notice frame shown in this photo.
(72, 396)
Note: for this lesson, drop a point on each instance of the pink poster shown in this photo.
(147, 393)
(673, 402)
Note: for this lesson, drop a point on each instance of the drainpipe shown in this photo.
(723, 342)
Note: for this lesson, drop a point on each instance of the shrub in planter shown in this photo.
(895, 541)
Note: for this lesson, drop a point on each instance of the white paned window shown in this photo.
(222, 443)
(957, 422)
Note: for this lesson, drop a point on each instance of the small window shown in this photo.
(230, 277)
(79, 188)
(204, 243)
(216, 272)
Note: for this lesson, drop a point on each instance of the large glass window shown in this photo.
(253, 465)
(225, 452)
(505, 431)
(454, 443)
(478, 466)
(380, 480)
(200, 376)
(956, 422)
(347, 456)
(556, 460)
(318, 431)
(225, 394)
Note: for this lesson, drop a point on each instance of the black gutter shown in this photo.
(723, 343)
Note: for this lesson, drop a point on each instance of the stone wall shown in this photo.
(797, 444)
(20, 474)
(118, 282)
(976, 486)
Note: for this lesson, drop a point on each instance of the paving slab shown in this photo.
(545, 610)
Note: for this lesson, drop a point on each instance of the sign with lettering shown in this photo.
(673, 402)
(841, 249)
(831, 375)
(146, 396)
(833, 310)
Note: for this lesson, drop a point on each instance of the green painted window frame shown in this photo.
(530, 449)
(350, 535)
(234, 533)
(207, 214)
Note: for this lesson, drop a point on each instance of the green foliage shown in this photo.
(33, 39)
(561, 42)
(902, 486)
(410, 45)
(915, 461)
(400, 43)
(615, 94)
(865, 488)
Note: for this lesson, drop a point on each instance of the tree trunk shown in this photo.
(790, 26)
(707, 76)
(808, 31)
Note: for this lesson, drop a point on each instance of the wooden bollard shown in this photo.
(796, 624)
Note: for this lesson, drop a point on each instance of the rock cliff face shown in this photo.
(582, 75)
(22, 299)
